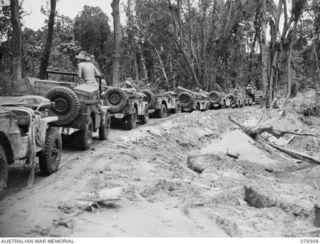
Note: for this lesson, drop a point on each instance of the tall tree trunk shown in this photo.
(162, 67)
(1, 62)
(274, 54)
(263, 47)
(318, 73)
(46, 53)
(136, 67)
(16, 42)
(143, 62)
(289, 63)
(117, 43)
(203, 43)
(178, 37)
(256, 35)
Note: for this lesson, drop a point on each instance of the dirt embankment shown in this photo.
(250, 196)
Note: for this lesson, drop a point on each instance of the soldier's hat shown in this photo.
(83, 55)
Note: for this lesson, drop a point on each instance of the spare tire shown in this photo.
(116, 98)
(185, 99)
(150, 97)
(214, 97)
(66, 104)
(232, 98)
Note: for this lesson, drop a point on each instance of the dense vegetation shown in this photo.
(211, 44)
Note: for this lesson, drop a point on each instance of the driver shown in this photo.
(87, 70)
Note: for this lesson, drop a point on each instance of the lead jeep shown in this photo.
(26, 132)
(76, 106)
(126, 106)
(160, 104)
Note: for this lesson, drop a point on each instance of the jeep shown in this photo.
(27, 132)
(126, 106)
(76, 106)
(190, 101)
(161, 103)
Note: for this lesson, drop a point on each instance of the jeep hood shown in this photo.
(28, 101)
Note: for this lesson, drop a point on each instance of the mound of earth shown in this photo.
(259, 194)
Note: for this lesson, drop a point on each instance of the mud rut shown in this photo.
(161, 195)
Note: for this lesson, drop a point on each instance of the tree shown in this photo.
(92, 32)
(117, 43)
(16, 42)
(297, 9)
(5, 27)
(46, 53)
(263, 46)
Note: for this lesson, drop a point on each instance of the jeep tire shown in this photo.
(185, 99)
(233, 99)
(66, 104)
(150, 97)
(131, 120)
(162, 112)
(104, 128)
(214, 97)
(85, 136)
(145, 117)
(116, 98)
(50, 156)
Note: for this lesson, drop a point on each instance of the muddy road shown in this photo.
(159, 195)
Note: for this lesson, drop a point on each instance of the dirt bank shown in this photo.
(160, 195)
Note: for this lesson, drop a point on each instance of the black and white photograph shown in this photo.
(159, 118)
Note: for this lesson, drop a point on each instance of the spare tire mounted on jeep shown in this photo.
(185, 99)
(150, 97)
(214, 97)
(116, 98)
(66, 104)
(232, 98)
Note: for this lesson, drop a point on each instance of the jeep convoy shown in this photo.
(32, 126)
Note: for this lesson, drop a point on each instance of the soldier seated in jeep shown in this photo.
(87, 71)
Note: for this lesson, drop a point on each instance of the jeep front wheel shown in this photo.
(131, 120)
(86, 136)
(50, 156)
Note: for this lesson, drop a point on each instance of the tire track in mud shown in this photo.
(19, 172)
(138, 160)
